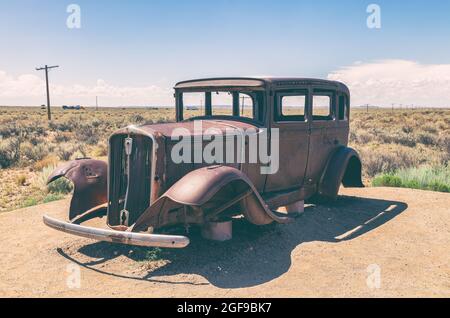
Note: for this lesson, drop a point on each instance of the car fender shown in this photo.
(344, 166)
(89, 178)
(202, 195)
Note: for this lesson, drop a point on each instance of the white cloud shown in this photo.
(397, 81)
(377, 83)
(29, 89)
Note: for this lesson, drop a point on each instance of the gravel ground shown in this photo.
(373, 242)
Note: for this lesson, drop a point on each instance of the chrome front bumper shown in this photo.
(130, 238)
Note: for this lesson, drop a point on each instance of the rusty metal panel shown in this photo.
(314, 158)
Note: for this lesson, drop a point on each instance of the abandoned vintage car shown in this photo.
(144, 191)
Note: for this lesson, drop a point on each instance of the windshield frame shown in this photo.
(258, 101)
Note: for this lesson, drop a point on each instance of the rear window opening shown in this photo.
(343, 108)
(322, 106)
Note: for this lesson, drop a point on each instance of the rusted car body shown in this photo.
(143, 191)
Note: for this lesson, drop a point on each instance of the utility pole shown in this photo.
(46, 68)
(96, 103)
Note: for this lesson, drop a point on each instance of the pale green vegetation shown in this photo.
(426, 178)
(389, 143)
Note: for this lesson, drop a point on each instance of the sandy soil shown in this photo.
(404, 235)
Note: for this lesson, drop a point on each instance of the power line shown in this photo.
(46, 68)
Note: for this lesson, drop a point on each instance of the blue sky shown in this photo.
(132, 45)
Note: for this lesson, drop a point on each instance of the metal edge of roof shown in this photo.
(222, 82)
(254, 82)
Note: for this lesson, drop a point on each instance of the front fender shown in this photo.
(204, 195)
(344, 166)
(89, 178)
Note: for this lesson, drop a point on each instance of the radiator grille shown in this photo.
(140, 178)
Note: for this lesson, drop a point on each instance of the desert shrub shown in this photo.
(444, 143)
(149, 254)
(100, 150)
(34, 153)
(70, 125)
(50, 160)
(425, 178)
(65, 151)
(9, 152)
(79, 154)
(59, 186)
(88, 135)
(429, 129)
(96, 123)
(407, 129)
(361, 136)
(404, 139)
(21, 180)
(53, 197)
(36, 140)
(9, 129)
(385, 160)
(397, 137)
(427, 139)
(441, 125)
(136, 119)
(62, 137)
(387, 180)
(30, 202)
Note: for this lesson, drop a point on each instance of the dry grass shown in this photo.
(387, 141)
(29, 145)
(397, 140)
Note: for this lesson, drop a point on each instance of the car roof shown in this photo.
(257, 82)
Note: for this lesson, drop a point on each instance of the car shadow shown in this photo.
(255, 255)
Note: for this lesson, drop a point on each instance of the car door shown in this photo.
(290, 118)
(323, 140)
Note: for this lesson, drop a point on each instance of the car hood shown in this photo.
(193, 128)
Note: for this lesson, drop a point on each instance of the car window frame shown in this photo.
(346, 108)
(278, 114)
(332, 95)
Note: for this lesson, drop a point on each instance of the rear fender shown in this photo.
(204, 195)
(343, 167)
(89, 178)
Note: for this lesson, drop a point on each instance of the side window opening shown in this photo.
(291, 107)
(194, 104)
(322, 106)
(222, 104)
(343, 107)
(246, 107)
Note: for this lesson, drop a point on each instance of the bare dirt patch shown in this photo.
(326, 252)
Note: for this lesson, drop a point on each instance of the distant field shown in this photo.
(390, 142)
